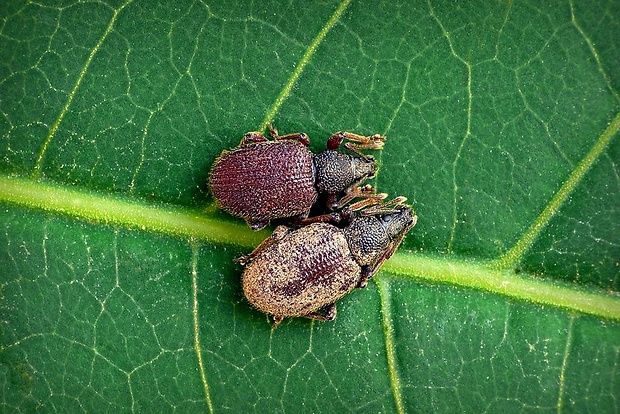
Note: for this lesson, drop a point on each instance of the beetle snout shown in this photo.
(400, 221)
(407, 215)
(409, 218)
(365, 167)
(373, 167)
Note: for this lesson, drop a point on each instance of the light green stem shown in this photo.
(196, 225)
(185, 223)
(479, 275)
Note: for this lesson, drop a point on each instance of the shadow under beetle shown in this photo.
(261, 180)
(303, 272)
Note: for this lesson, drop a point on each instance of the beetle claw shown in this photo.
(326, 313)
(258, 224)
(242, 260)
(276, 321)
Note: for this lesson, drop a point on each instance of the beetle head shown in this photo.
(400, 221)
(363, 168)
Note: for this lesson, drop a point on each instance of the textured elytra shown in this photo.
(264, 181)
(301, 271)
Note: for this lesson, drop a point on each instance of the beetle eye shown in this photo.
(387, 218)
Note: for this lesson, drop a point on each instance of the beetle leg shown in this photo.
(365, 275)
(368, 200)
(360, 142)
(333, 218)
(335, 140)
(251, 138)
(326, 313)
(276, 321)
(369, 142)
(331, 201)
(385, 208)
(277, 235)
(257, 224)
(366, 192)
(343, 217)
(301, 137)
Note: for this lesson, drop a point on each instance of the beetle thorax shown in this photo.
(367, 239)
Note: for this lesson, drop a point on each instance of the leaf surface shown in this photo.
(118, 288)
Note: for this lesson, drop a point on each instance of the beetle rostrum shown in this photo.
(262, 179)
(304, 272)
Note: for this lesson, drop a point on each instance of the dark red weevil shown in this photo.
(263, 179)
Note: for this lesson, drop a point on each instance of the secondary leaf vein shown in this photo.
(569, 341)
(52, 132)
(592, 49)
(388, 334)
(467, 134)
(302, 64)
(510, 259)
(195, 314)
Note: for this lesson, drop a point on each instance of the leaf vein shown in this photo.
(388, 335)
(466, 136)
(513, 256)
(195, 225)
(52, 132)
(562, 381)
(195, 314)
(302, 64)
(595, 53)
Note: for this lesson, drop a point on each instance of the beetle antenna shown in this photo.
(367, 193)
(388, 207)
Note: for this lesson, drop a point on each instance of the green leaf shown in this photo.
(118, 288)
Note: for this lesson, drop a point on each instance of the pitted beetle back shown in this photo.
(253, 183)
(261, 180)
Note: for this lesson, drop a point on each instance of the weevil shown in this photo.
(263, 179)
(304, 272)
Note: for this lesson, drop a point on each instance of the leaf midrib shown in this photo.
(195, 225)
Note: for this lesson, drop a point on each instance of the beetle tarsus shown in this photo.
(367, 193)
(365, 275)
(243, 260)
(359, 142)
(252, 138)
(326, 313)
(300, 137)
(276, 321)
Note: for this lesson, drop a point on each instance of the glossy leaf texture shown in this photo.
(118, 288)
